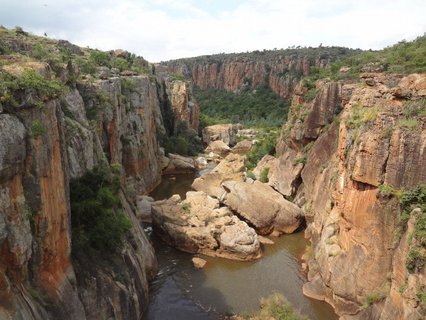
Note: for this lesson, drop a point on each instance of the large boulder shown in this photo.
(224, 132)
(199, 225)
(218, 147)
(264, 208)
(179, 164)
(283, 174)
(243, 147)
(230, 168)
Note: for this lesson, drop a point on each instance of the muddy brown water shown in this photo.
(223, 287)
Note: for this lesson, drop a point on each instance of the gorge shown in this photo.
(349, 163)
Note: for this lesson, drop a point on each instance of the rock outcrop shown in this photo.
(218, 147)
(357, 262)
(184, 107)
(179, 164)
(224, 132)
(280, 70)
(264, 208)
(200, 225)
(230, 168)
(48, 138)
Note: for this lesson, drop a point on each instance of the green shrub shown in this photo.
(408, 123)
(8, 86)
(302, 159)
(276, 307)
(176, 76)
(265, 146)
(421, 296)
(385, 190)
(86, 67)
(410, 199)
(251, 175)
(19, 31)
(39, 52)
(127, 85)
(100, 58)
(32, 81)
(360, 116)
(120, 64)
(37, 129)
(263, 176)
(310, 95)
(96, 216)
(186, 207)
(374, 298)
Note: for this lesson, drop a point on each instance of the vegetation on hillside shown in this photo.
(259, 107)
(403, 58)
(20, 46)
(271, 56)
(96, 217)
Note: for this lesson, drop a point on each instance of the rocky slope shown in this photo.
(56, 123)
(346, 157)
(280, 70)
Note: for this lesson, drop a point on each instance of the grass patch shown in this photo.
(263, 176)
(360, 116)
(409, 124)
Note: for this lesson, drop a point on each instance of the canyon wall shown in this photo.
(112, 120)
(280, 70)
(360, 146)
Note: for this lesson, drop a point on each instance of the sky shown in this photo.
(169, 29)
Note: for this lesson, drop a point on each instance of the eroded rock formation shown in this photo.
(114, 121)
(280, 70)
(199, 225)
(357, 261)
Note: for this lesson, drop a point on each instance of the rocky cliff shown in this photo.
(358, 148)
(280, 70)
(57, 123)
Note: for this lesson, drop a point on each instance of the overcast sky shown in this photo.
(168, 29)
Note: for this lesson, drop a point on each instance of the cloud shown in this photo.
(168, 29)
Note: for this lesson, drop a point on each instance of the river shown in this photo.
(223, 287)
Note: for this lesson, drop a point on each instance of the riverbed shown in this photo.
(225, 287)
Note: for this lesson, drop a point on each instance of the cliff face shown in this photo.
(279, 70)
(358, 258)
(114, 120)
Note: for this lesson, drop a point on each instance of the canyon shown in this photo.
(341, 159)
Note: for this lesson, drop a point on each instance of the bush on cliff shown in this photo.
(415, 198)
(96, 218)
(266, 145)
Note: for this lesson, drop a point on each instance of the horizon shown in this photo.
(165, 30)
